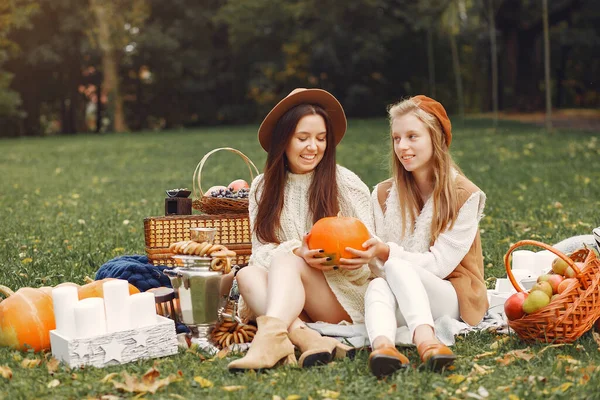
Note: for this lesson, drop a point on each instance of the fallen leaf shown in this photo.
(150, 375)
(53, 383)
(134, 384)
(109, 397)
(176, 396)
(392, 389)
(108, 378)
(233, 388)
(293, 397)
(513, 397)
(52, 365)
(596, 337)
(456, 378)
(275, 397)
(6, 372)
(569, 360)
(481, 370)
(564, 387)
(551, 346)
(522, 354)
(330, 394)
(223, 352)
(204, 383)
(497, 343)
(30, 362)
(482, 355)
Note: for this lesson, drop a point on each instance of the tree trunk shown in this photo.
(494, 53)
(547, 68)
(457, 76)
(431, 61)
(110, 84)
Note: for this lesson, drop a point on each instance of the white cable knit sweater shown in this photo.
(354, 199)
(447, 251)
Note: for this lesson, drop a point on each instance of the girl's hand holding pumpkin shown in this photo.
(373, 248)
(313, 258)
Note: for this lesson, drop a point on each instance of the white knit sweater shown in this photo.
(449, 248)
(296, 220)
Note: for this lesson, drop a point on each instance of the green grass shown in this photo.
(69, 204)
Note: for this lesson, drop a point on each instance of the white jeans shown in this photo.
(408, 296)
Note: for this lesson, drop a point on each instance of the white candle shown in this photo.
(544, 260)
(116, 304)
(142, 310)
(64, 299)
(524, 259)
(90, 319)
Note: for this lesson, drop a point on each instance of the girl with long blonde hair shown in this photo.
(427, 252)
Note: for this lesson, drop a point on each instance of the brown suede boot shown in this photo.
(387, 360)
(270, 346)
(315, 349)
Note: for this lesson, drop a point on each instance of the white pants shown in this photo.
(408, 296)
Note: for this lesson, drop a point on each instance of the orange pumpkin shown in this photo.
(26, 319)
(95, 289)
(334, 234)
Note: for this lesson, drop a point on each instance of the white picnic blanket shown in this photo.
(446, 329)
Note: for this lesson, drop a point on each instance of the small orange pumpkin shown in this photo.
(334, 234)
(95, 289)
(26, 319)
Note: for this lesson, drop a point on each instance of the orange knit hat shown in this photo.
(437, 110)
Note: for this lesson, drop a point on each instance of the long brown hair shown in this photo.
(445, 192)
(323, 191)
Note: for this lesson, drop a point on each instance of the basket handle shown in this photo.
(197, 179)
(538, 244)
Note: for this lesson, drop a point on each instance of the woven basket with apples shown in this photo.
(562, 305)
(230, 199)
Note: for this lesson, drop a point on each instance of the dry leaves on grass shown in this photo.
(203, 382)
(52, 365)
(233, 388)
(328, 394)
(6, 372)
(30, 362)
(53, 383)
(149, 382)
(520, 354)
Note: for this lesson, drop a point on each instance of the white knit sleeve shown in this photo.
(376, 265)
(452, 245)
(355, 201)
(263, 253)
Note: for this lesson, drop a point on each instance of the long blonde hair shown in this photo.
(445, 192)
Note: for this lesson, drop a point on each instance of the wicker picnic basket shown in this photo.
(573, 312)
(214, 205)
(233, 231)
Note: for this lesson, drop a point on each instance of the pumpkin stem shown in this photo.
(87, 279)
(6, 291)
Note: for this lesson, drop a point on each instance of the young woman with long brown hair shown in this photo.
(429, 253)
(301, 183)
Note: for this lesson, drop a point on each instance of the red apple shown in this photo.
(554, 280)
(513, 306)
(238, 184)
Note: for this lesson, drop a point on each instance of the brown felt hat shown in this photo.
(299, 96)
(437, 110)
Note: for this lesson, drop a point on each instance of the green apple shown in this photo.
(559, 266)
(544, 286)
(536, 300)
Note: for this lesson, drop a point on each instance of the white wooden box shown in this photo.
(116, 348)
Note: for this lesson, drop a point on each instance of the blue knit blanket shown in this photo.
(136, 270)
